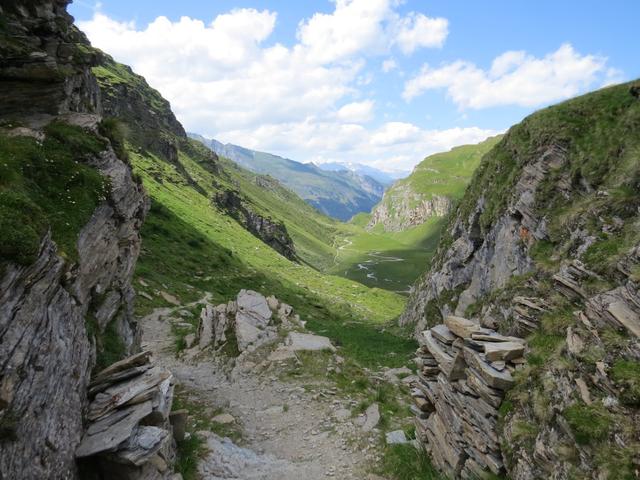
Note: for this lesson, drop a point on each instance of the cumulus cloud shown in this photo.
(368, 26)
(388, 65)
(228, 79)
(356, 112)
(417, 30)
(393, 146)
(515, 78)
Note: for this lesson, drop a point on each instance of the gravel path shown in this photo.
(287, 432)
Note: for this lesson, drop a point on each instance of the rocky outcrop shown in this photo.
(246, 323)
(401, 209)
(477, 262)
(463, 373)
(129, 434)
(45, 65)
(148, 116)
(270, 232)
(47, 353)
(55, 311)
(542, 245)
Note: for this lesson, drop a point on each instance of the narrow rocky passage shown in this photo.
(287, 432)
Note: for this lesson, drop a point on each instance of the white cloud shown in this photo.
(227, 79)
(418, 30)
(394, 133)
(356, 112)
(394, 146)
(358, 26)
(515, 78)
(388, 65)
(354, 26)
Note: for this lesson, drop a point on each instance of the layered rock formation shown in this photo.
(464, 371)
(545, 244)
(433, 188)
(402, 209)
(269, 231)
(47, 352)
(44, 62)
(55, 310)
(129, 434)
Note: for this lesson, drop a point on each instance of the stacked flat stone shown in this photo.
(464, 371)
(129, 434)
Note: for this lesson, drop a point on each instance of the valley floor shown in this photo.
(282, 428)
(387, 260)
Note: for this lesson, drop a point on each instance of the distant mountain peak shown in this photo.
(339, 193)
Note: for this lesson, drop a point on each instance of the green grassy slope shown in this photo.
(47, 185)
(337, 194)
(312, 232)
(388, 260)
(190, 247)
(393, 260)
(445, 174)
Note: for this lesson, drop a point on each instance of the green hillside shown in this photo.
(581, 158)
(393, 258)
(443, 176)
(339, 194)
(447, 173)
(191, 247)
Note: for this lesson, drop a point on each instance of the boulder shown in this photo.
(273, 303)
(442, 333)
(491, 376)
(372, 417)
(110, 431)
(178, 420)
(625, 316)
(396, 437)
(305, 341)
(135, 390)
(246, 333)
(142, 446)
(254, 305)
(205, 327)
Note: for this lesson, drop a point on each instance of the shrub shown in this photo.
(22, 225)
(626, 373)
(117, 133)
(405, 462)
(589, 423)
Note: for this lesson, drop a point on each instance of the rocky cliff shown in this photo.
(70, 217)
(545, 244)
(271, 232)
(402, 209)
(433, 188)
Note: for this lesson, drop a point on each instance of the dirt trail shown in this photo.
(287, 432)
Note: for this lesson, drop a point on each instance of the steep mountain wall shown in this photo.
(545, 244)
(65, 288)
(403, 209)
(433, 188)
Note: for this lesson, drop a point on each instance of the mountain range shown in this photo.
(340, 194)
(382, 177)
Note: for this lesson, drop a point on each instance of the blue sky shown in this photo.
(381, 82)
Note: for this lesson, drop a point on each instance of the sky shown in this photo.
(379, 82)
